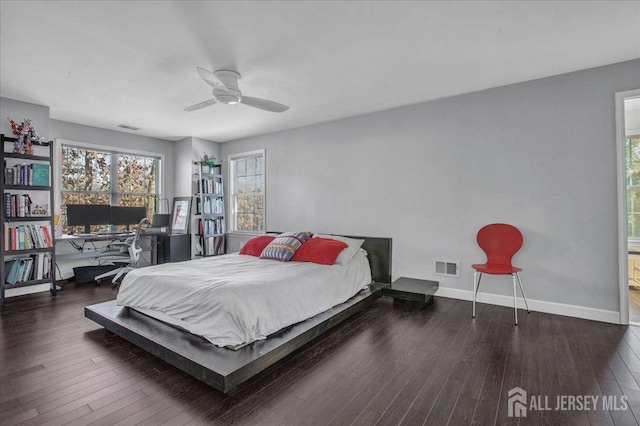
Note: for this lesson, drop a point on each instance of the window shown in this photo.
(97, 176)
(633, 185)
(247, 191)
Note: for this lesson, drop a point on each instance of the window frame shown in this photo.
(232, 218)
(113, 171)
(630, 187)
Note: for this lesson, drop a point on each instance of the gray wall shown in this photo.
(540, 155)
(187, 151)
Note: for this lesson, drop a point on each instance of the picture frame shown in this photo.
(180, 215)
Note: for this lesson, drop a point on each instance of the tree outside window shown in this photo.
(248, 192)
(91, 176)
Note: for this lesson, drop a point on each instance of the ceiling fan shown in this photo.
(226, 91)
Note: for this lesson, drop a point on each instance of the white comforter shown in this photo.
(235, 299)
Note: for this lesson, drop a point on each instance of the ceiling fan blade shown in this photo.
(264, 104)
(201, 105)
(211, 79)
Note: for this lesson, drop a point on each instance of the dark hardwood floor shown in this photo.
(388, 365)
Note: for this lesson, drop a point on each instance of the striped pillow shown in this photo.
(284, 246)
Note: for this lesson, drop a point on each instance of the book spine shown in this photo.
(7, 204)
(14, 238)
(28, 243)
(21, 237)
(47, 236)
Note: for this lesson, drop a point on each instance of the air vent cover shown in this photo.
(447, 268)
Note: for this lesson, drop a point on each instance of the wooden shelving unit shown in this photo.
(8, 221)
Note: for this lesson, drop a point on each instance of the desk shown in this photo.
(170, 247)
(164, 247)
(78, 243)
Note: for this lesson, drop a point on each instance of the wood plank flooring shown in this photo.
(389, 365)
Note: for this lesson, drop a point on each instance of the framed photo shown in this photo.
(180, 215)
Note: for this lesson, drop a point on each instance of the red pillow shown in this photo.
(255, 245)
(319, 250)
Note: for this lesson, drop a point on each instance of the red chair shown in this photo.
(500, 242)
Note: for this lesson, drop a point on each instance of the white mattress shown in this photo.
(236, 299)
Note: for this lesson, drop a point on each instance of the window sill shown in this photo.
(244, 234)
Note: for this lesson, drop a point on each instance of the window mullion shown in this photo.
(113, 171)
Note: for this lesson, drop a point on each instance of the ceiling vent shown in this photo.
(447, 268)
(124, 126)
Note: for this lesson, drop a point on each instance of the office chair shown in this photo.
(500, 242)
(126, 264)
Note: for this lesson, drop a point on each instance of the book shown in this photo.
(20, 234)
(46, 236)
(10, 268)
(28, 241)
(7, 204)
(14, 238)
(37, 234)
(40, 174)
(26, 270)
(16, 270)
(26, 201)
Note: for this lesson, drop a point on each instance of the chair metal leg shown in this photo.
(476, 286)
(107, 274)
(122, 271)
(522, 290)
(515, 299)
(473, 313)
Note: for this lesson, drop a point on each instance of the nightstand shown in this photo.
(411, 291)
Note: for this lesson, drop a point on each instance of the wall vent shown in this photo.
(447, 268)
(125, 126)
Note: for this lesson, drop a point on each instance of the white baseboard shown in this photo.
(18, 291)
(535, 305)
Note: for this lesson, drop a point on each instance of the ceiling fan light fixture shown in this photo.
(228, 99)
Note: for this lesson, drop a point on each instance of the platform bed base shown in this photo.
(223, 369)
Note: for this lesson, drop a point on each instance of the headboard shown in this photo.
(379, 254)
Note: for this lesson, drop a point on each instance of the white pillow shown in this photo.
(347, 254)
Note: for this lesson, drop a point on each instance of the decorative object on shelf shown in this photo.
(210, 162)
(25, 134)
(40, 210)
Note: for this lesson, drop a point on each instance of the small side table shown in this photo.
(412, 291)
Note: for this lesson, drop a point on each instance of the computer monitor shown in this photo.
(125, 215)
(87, 215)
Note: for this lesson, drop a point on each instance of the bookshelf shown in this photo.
(26, 251)
(210, 210)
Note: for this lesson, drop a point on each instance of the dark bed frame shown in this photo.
(223, 368)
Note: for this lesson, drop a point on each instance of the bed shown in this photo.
(206, 355)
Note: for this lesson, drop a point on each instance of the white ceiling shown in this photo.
(104, 63)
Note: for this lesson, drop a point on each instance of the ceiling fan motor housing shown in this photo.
(232, 95)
